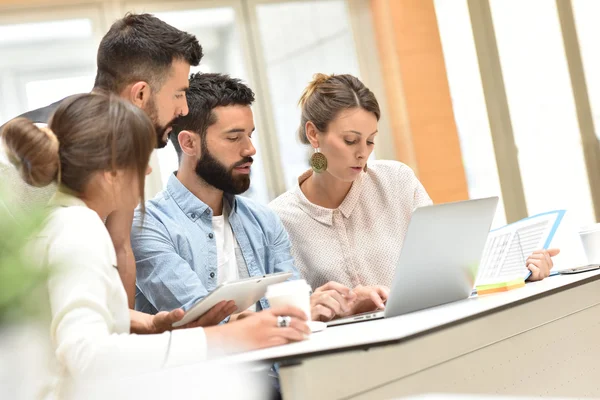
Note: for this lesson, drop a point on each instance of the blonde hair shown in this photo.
(328, 95)
(318, 79)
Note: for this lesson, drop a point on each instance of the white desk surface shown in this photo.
(363, 334)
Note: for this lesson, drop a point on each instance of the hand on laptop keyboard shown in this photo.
(368, 298)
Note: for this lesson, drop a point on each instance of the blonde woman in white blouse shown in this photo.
(98, 148)
(346, 219)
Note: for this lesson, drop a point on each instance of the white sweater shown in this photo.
(90, 317)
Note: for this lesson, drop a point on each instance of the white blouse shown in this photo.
(90, 328)
(360, 241)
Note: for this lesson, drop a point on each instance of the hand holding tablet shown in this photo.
(244, 293)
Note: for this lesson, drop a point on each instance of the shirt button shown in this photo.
(193, 215)
(212, 274)
(210, 235)
(207, 211)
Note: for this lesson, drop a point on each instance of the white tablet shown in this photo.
(244, 292)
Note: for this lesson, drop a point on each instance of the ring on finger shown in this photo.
(284, 322)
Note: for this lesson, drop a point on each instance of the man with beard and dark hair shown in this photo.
(147, 62)
(198, 233)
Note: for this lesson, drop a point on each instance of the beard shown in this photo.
(213, 172)
(160, 130)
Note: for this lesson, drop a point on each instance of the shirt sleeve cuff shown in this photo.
(186, 346)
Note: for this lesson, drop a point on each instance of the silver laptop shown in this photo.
(439, 259)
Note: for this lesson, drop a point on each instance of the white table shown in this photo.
(543, 339)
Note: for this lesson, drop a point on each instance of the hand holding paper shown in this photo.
(516, 251)
(540, 263)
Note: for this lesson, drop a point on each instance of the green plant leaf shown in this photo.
(22, 278)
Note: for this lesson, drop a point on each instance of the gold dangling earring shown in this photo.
(318, 161)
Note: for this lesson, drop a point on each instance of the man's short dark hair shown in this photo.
(206, 92)
(141, 47)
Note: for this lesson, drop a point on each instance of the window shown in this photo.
(40, 93)
(542, 109)
(588, 30)
(468, 102)
(44, 61)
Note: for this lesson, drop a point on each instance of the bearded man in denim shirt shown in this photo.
(198, 232)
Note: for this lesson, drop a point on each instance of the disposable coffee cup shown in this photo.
(590, 238)
(290, 293)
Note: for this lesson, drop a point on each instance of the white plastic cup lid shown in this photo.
(589, 228)
(288, 287)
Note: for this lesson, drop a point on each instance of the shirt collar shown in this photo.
(189, 203)
(325, 215)
(63, 197)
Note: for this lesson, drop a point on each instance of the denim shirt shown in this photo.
(176, 253)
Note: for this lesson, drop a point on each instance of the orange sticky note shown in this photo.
(500, 286)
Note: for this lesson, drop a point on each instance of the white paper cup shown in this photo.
(590, 238)
(290, 293)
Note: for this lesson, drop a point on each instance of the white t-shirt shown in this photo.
(227, 268)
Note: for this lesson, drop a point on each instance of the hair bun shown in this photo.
(318, 79)
(32, 150)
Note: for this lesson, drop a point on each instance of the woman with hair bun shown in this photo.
(97, 148)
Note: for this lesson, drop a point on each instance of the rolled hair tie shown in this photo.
(26, 164)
